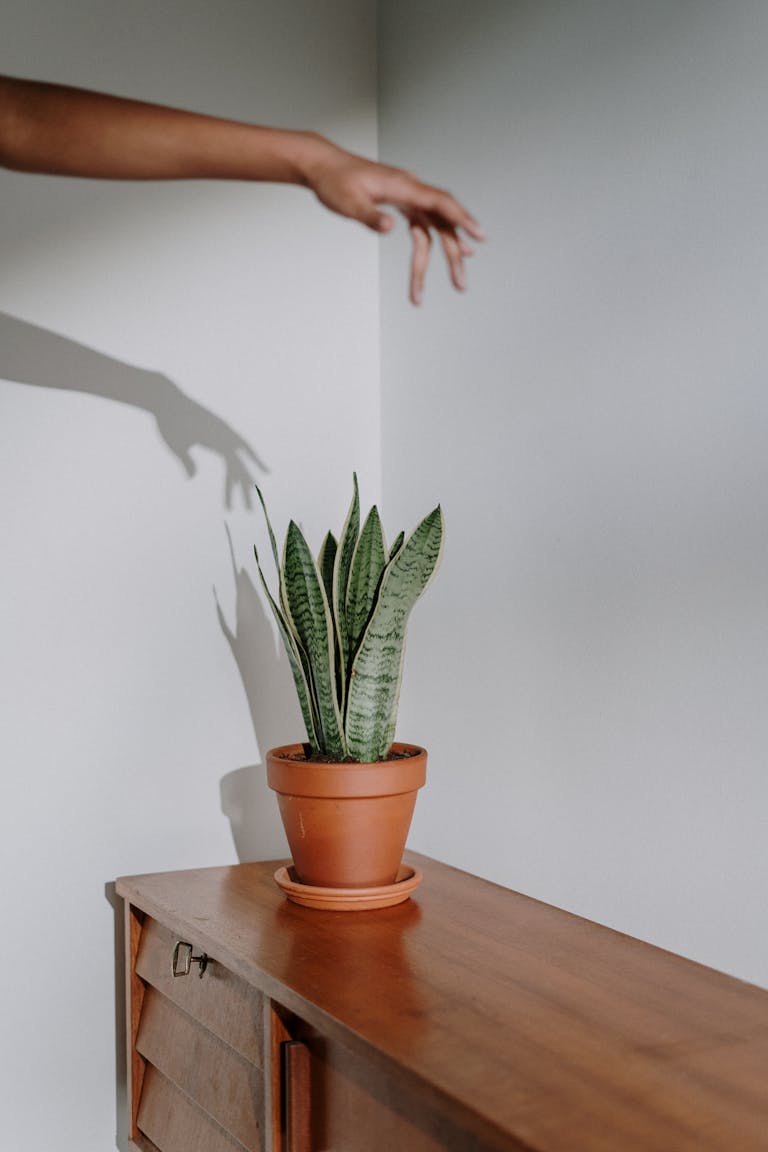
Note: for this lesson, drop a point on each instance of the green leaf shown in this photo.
(325, 560)
(341, 569)
(272, 540)
(298, 662)
(296, 655)
(309, 616)
(365, 575)
(377, 669)
(396, 546)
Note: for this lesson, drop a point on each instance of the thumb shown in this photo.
(377, 221)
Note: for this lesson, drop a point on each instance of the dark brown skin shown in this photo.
(61, 131)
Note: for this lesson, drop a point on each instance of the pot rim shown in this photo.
(351, 779)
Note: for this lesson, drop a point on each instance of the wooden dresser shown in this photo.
(467, 1018)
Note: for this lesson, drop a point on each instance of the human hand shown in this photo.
(74, 132)
(356, 187)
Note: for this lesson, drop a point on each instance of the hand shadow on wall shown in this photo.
(33, 355)
(268, 683)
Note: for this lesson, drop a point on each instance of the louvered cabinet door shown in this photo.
(196, 1050)
(334, 1100)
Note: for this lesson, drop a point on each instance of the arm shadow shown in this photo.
(268, 684)
(36, 356)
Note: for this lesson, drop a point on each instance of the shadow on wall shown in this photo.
(33, 355)
(246, 799)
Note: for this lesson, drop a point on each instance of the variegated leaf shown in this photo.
(298, 662)
(309, 616)
(365, 575)
(374, 689)
(341, 570)
(396, 546)
(325, 562)
(272, 540)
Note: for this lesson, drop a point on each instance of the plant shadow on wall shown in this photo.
(246, 800)
(33, 355)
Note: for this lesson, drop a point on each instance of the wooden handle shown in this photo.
(297, 1096)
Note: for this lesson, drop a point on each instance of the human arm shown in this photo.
(57, 130)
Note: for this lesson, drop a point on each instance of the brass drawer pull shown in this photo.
(181, 965)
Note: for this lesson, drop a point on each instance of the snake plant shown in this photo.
(342, 618)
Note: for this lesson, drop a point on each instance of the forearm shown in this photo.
(52, 129)
(49, 128)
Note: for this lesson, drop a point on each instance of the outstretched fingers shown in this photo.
(362, 189)
(455, 249)
(430, 210)
(454, 255)
(421, 241)
(442, 209)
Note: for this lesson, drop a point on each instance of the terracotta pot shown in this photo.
(346, 823)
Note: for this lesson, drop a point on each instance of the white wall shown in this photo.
(136, 321)
(590, 669)
(592, 416)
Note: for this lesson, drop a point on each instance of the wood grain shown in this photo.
(174, 1124)
(277, 1033)
(353, 1106)
(297, 1089)
(228, 1087)
(225, 1004)
(134, 995)
(490, 1017)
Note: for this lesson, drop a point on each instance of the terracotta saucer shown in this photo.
(349, 899)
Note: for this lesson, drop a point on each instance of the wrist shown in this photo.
(309, 154)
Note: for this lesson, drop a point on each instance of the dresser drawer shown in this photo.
(221, 1001)
(228, 1088)
(197, 1051)
(174, 1124)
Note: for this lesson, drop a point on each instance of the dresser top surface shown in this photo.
(547, 1029)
